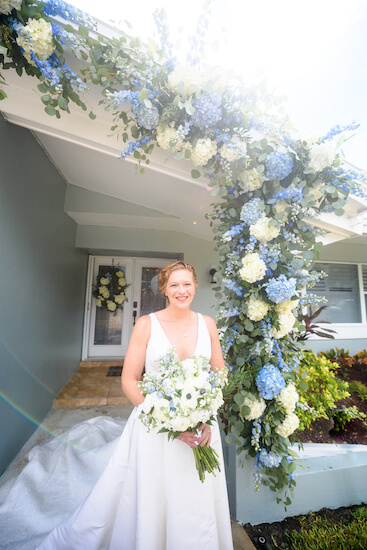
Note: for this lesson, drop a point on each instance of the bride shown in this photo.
(150, 497)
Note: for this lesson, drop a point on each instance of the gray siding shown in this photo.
(42, 288)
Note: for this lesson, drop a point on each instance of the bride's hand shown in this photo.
(190, 438)
(206, 435)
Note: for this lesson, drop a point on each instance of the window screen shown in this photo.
(341, 289)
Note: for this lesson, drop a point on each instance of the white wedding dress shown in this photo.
(149, 497)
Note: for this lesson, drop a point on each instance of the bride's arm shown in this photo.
(135, 359)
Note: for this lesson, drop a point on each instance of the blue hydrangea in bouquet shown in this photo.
(181, 396)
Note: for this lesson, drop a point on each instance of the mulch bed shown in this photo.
(355, 432)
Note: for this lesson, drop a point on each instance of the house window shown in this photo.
(341, 288)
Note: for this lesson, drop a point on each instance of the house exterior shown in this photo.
(70, 205)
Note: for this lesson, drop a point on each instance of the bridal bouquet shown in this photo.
(181, 396)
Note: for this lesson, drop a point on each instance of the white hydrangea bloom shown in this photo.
(235, 149)
(286, 323)
(288, 398)
(188, 75)
(104, 281)
(111, 305)
(264, 230)
(256, 309)
(6, 7)
(203, 151)
(250, 180)
(253, 268)
(168, 137)
(287, 306)
(120, 298)
(36, 37)
(98, 302)
(288, 426)
(321, 156)
(257, 407)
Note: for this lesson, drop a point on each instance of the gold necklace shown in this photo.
(187, 327)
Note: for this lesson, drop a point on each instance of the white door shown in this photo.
(106, 334)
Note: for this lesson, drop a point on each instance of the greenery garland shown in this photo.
(110, 289)
(270, 181)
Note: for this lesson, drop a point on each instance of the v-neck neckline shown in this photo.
(168, 340)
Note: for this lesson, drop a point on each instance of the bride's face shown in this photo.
(180, 288)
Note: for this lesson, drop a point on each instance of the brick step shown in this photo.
(89, 401)
(92, 364)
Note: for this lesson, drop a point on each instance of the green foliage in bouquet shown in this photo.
(323, 388)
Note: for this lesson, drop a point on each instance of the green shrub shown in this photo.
(342, 416)
(358, 387)
(324, 389)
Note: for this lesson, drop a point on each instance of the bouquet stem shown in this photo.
(206, 460)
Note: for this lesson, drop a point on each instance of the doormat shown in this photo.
(114, 371)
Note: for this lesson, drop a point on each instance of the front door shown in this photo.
(106, 334)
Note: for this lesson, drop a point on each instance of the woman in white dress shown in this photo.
(150, 496)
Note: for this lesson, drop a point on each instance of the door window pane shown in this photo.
(341, 289)
(108, 326)
(151, 299)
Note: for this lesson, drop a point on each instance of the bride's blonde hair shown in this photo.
(165, 273)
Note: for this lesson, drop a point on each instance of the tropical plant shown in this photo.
(311, 328)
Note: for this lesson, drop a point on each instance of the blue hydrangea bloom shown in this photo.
(269, 382)
(279, 165)
(293, 194)
(208, 110)
(146, 117)
(252, 211)
(280, 289)
(269, 459)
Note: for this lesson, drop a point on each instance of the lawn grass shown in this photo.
(321, 534)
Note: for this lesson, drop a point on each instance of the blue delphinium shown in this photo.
(280, 289)
(146, 117)
(279, 165)
(269, 382)
(68, 12)
(294, 194)
(208, 110)
(233, 232)
(252, 211)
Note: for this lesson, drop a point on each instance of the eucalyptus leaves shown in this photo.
(271, 183)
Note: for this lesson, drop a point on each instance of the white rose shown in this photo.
(119, 299)
(122, 281)
(119, 273)
(180, 424)
(161, 409)
(104, 281)
(98, 302)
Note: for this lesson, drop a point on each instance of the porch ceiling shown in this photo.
(104, 190)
